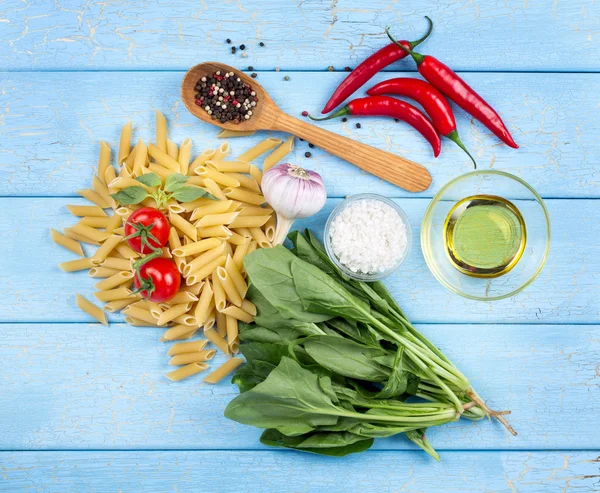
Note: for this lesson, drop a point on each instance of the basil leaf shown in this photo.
(175, 182)
(189, 194)
(150, 180)
(130, 195)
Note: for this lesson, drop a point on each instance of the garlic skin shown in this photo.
(293, 193)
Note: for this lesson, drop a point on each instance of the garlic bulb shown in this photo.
(294, 193)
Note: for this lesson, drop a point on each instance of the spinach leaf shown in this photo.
(335, 444)
(319, 293)
(346, 358)
(354, 330)
(250, 375)
(289, 400)
(397, 382)
(281, 335)
(418, 438)
(269, 270)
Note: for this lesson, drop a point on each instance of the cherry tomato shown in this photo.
(142, 222)
(160, 280)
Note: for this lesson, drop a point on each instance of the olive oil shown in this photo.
(485, 236)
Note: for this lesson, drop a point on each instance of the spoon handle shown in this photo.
(389, 167)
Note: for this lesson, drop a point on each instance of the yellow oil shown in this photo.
(485, 236)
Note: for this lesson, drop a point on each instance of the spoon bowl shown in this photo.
(266, 115)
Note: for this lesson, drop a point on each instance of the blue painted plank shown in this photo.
(312, 34)
(34, 289)
(272, 472)
(83, 386)
(52, 124)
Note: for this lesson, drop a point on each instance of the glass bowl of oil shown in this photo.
(486, 235)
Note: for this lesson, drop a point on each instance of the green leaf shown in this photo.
(397, 382)
(150, 180)
(289, 400)
(346, 358)
(334, 444)
(175, 182)
(418, 437)
(130, 195)
(320, 293)
(269, 270)
(357, 331)
(189, 194)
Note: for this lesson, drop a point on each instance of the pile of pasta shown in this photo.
(208, 241)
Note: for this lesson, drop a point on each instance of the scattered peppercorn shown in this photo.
(225, 97)
(304, 113)
(228, 41)
(358, 125)
(261, 44)
(396, 120)
(244, 55)
(347, 69)
(242, 47)
(250, 68)
(307, 154)
(277, 69)
(330, 68)
(301, 140)
(233, 49)
(311, 145)
(287, 77)
(253, 75)
(344, 119)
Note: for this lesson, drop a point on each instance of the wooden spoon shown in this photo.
(267, 116)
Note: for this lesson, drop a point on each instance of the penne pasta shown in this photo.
(222, 371)
(177, 332)
(161, 157)
(128, 163)
(188, 320)
(204, 259)
(202, 307)
(260, 237)
(75, 265)
(221, 151)
(100, 272)
(221, 232)
(187, 347)
(258, 149)
(101, 189)
(249, 307)
(278, 154)
(236, 313)
(96, 222)
(173, 312)
(126, 251)
(237, 278)
(94, 197)
(201, 160)
(249, 222)
(191, 206)
(161, 131)
(141, 156)
(236, 239)
(107, 247)
(256, 173)
(182, 297)
(228, 166)
(159, 170)
(224, 179)
(219, 293)
(213, 188)
(115, 280)
(113, 223)
(183, 226)
(172, 150)
(254, 210)
(213, 207)
(86, 210)
(186, 371)
(184, 156)
(116, 263)
(217, 340)
(124, 143)
(231, 323)
(121, 182)
(113, 294)
(104, 161)
(118, 305)
(270, 227)
(196, 247)
(240, 253)
(66, 242)
(141, 314)
(221, 323)
(225, 133)
(91, 309)
(253, 246)
(124, 172)
(244, 196)
(206, 270)
(196, 357)
(245, 181)
(228, 286)
(217, 219)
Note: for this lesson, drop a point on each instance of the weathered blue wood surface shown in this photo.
(385, 472)
(51, 125)
(99, 394)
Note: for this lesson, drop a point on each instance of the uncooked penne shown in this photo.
(201, 160)
(113, 294)
(187, 347)
(191, 206)
(214, 189)
(237, 278)
(182, 297)
(126, 251)
(260, 237)
(197, 357)
(217, 340)
(259, 149)
(249, 222)
(107, 247)
(96, 222)
(221, 232)
(183, 159)
(161, 131)
(172, 149)
(254, 210)
(79, 264)
(231, 323)
(269, 228)
(202, 307)
(245, 181)
(222, 179)
(229, 166)
(177, 332)
(217, 219)
(91, 309)
(86, 210)
(204, 259)
(196, 247)
(225, 133)
(118, 305)
(161, 157)
(221, 151)
(221, 323)
(244, 196)
(236, 239)
(237, 314)
(278, 154)
(249, 307)
(222, 371)
(101, 189)
(256, 173)
(116, 263)
(212, 208)
(124, 143)
(66, 242)
(128, 163)
(218, 293)
(94, 197)
(114, 280)
(186, 371)
(104, 161)
(102, 272)
(141, 156)
(183, 226)
(114, 222)
(141, 314)
(240, 253)
(230, 290)
(173, 312)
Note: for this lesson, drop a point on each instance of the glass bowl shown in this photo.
(367, 277)
(537, 225)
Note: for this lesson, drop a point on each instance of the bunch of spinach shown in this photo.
(331, 362)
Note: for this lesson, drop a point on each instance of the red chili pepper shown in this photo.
(451, 85)
(369, 67)
(430, 98)
(387, 106)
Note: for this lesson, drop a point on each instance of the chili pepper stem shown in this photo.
(416, 56)
(453, 136)
(341, 112)
(414, 44)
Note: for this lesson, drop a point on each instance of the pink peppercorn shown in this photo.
(305, 113)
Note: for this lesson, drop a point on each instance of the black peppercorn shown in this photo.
(347, 69)
(261, 44)
(250, 68)
(233, 49)
(311, 145)
(253, 75)
(242, 47)
(344, 119)
(307, 154)
(358, 125)
(228, 41)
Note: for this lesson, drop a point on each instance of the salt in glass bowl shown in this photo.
(361, 276)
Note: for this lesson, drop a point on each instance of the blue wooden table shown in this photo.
(87, 408)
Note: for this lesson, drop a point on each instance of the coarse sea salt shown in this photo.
(368, 236)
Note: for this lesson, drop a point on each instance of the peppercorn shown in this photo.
(305, 113)
(228, 41)
(287, 77)
(250, 68)
(261, 44)
(253, 75)
(307, 154)
(242, 47)
(344, 119)
(358, 125)
(311, 145)
(233, 49)
(347, 69)
(330, 68)
(277, 69)
(396, 120)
